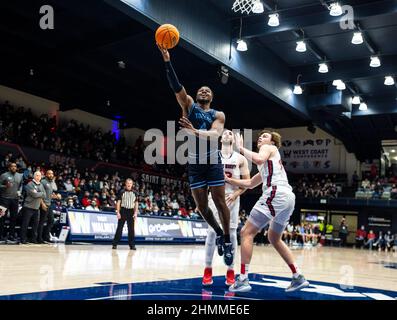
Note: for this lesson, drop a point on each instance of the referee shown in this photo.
(126, 210)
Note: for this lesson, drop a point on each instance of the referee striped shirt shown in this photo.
(127, 198)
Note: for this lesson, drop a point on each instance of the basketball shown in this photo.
(167, 36)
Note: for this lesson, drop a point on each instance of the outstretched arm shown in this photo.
(258, 158)
(184, 100)
(215, 132)
(252, 183)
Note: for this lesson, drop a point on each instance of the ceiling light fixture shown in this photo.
(323, 67)
(363, 106)
(258, 7)
(336, 82)
(341, 86)
(301, 46)
(375, 62)
(298, 89)
(335, 9)
(389, 81)
(358, 38)
(241, 44)
(356, 100)
(273, 20)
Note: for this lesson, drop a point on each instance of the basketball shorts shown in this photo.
(234, 211)
(275, 206)
(206, 175)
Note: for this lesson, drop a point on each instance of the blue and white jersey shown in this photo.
(202, 120)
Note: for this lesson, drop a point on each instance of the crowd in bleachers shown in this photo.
(82, 189)
(88, 190)
(377, 188)
(73, 139)
(316, 186)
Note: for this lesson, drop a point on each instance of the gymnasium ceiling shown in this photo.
(76, 64)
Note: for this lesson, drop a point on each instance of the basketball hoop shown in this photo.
(243, 6)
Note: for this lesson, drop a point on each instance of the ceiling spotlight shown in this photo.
(357, 38)
(375, 62)
(273, 20)
(341, 86)
(389, 81)
(393, 151)
(335, 83)
(258, 7)
(242, 45)
(224, 75)
(335, 9)
(31, 72)
(363, 106)
(356, 100)
(323, 67)
(301, 46)
(298, 89)
(108, 103)
(121, 64)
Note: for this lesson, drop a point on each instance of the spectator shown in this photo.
(93, 206)
(343, 232)
(361, 235)
(389, 241)
(86, 199)
(370, 239)
(365, 184)
(380, 241)
(355, 180)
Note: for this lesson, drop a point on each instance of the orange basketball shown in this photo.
(167, 36)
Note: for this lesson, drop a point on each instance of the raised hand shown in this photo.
(165, 53)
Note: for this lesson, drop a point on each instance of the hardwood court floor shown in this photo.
(35, 268)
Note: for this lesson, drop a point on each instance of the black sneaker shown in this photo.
(114, 247)
(132, 248)
(24, 242)
(40, 242)
(228, 254)
(219, 243)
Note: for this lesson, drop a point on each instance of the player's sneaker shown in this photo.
(297, 284)
(207, 278)
(230, 277)
(228, 254)
(240, 286)
(219, 243)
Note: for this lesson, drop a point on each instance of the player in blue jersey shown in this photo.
(205, 124)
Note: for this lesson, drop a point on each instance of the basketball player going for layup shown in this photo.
(236, 166)
(275, 206)
(204, 123)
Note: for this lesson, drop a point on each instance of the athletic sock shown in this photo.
(295, 270)
(227, 238)
(244, 271)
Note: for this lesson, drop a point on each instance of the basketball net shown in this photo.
(243, 6)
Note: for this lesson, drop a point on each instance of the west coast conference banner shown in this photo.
(101, 226)
(309, 155)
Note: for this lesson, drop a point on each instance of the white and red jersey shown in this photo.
(273, 173)
(232, 170)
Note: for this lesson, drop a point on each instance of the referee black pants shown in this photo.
(126, 215)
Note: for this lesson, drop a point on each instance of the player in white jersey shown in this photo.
(235, 166)
(275, 206)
